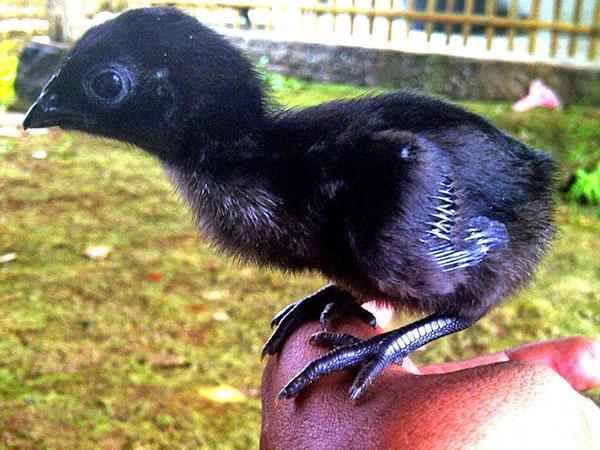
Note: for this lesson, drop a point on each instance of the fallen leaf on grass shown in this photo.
(155, 276)
(39, 154)
(220, 316)
(7, 257)
(167, 360)
(221, 394)
(97, 252)
(215, 295)
(196, 308)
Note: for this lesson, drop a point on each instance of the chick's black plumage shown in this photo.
(397, 197)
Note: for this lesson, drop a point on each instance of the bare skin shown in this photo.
(512, 399)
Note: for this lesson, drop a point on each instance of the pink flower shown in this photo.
(539, 96)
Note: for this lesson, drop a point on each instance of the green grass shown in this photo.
(79, 339)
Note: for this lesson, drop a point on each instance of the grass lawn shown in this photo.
(124, 352)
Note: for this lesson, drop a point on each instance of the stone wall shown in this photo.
(37, 63)
(449, 76)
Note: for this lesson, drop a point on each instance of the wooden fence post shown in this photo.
(65, 20)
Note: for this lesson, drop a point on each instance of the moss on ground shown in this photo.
(115, 353)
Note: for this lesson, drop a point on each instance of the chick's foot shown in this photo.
(327, 305)
(370, 356)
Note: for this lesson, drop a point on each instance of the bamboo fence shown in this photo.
(561, 30)
(446, 17)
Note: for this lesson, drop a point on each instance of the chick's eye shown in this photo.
(109, 85)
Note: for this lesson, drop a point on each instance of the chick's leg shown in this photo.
(327, 305)
(372, 355)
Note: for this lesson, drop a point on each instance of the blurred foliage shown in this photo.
(8, 70)
(157, 345)
(24, 3)
(573, 137)
(586, 186)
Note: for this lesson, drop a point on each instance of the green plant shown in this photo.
(8, 71)
(586, 186)
(274, 80)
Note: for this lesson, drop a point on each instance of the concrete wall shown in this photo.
(448, 76)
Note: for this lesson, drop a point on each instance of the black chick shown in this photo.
(397, 197)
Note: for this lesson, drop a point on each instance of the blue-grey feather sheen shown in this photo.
(480, 236)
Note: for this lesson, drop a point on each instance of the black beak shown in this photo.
(44, 112)
(48, 110)
(34, 117)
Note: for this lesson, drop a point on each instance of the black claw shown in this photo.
(333, 311)
(366, 376)
(327, 339)
(283, 394)
(275, 342)
(327, 315)
(338, 359)
(368, 317)
(281, 314)
(297, 314)
(265, 351)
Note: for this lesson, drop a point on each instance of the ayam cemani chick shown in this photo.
(399, 198)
